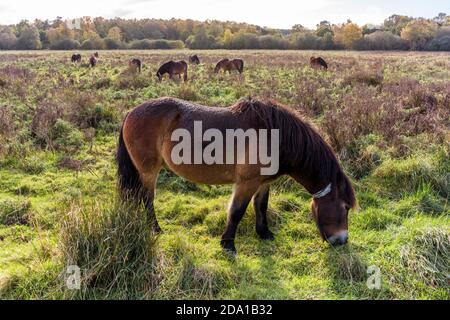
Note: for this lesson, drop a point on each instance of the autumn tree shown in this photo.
(8, 39)
(419, 32)
(347, 34)
(115, 33)
(29, 39)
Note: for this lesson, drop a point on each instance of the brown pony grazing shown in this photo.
(318, 63)
(173, 68)
(93, 61)
(146, 146)
(135, 64)
(76, 58)
(194, 59)
(230, 65)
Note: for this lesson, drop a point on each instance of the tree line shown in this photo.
(398, 32)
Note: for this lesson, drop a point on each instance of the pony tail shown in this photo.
(241, 69)
(130, 185)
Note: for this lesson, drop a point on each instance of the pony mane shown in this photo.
(300, 143)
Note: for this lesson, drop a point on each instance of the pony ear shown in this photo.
(345, 189)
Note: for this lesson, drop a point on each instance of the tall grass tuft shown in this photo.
(114, 247)
(428, 256)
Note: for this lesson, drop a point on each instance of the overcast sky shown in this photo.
(271, 13)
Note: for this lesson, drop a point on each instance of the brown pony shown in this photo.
(194, 59)
(135, 64)
(145, 146)
(76, 58)
(318, 63)
(93, 61)
(230, 65)
(173, 68)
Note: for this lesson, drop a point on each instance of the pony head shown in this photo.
(330, 207)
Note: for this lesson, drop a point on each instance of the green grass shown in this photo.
(58, 201)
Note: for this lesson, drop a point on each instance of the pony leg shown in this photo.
(149, 182)
(260, 203)
(242, 195)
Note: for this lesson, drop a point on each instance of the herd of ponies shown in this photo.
(180, 68)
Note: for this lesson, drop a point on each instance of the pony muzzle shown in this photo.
(339, 238)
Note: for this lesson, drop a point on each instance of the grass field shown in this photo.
(385, 114)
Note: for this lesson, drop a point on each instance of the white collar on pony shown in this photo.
(322, 193)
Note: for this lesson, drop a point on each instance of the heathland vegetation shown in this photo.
(398, 32)
(386, 116)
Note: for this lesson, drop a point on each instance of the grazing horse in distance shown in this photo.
(96, 55)
(135, 64)
(318, 63)
(146, 145)
(93, 60)
(76, 58)
(173, 68)
(229, 65)
(194, 59)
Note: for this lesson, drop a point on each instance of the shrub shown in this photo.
(112, 244)
(93, 44)
(368, 77)
(381, 40)
(272, 42)
(112, 44)
(65, 136)
(65, 44)
(307, 41)
(362, 113)
(155, 44)
(15, 211)
(44, 118)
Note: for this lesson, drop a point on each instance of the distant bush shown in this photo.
(93, 44)
(272, 42)
(244, 41)
(8, 40)
(112, 44)
(65, 44)
(381, 40)
(307, 41)
(29, 39)
(146, 44)
(442, 40)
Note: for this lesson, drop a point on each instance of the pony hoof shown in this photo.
(267, 235)
(228, 246)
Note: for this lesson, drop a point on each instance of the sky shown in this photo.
(269, 13)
